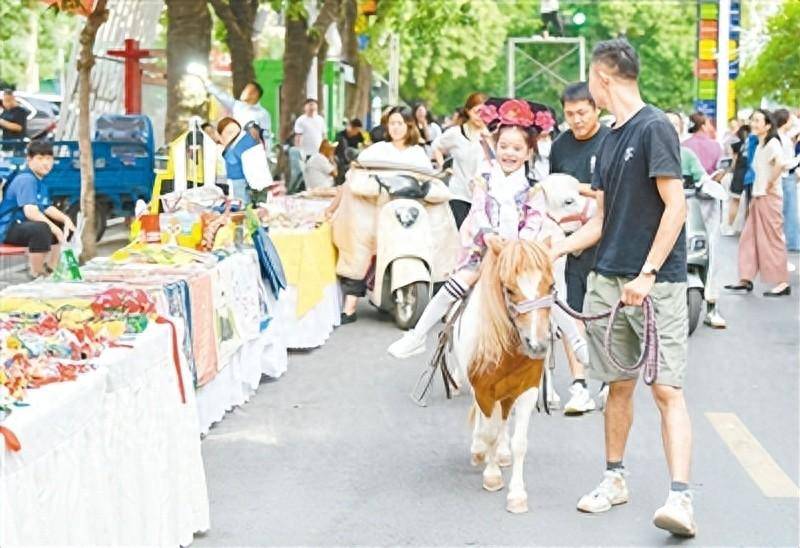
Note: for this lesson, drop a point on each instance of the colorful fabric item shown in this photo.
(204, 339)
(309, 260)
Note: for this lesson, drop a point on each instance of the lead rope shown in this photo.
(648, 359)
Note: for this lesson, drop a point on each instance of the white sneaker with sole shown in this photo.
(612, 491)
(580, 402)
(408, 345)
(677, 515)
(715, 320)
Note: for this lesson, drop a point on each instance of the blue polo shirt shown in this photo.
(24, 189)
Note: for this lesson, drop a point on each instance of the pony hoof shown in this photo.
(504, 460)
(493, 483)
(517, 504)
(478, 459)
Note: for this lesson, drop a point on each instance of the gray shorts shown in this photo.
(669, 301)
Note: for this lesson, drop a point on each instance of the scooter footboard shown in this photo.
(407, 270)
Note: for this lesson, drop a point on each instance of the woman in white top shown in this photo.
(463, 143)
(761, 246)
(321, 167)
(401, 151)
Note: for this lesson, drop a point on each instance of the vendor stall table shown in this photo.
(111, 458)
(311, 307)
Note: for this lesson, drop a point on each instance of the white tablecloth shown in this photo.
(112, 458)
(316, 326)
(239, 380)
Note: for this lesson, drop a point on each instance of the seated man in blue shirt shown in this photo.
(27, 217)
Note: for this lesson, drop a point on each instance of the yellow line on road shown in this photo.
(761, 467)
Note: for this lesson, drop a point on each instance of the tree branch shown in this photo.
(224, 12)
(328, 15)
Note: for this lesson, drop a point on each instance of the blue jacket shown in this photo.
(233, 156)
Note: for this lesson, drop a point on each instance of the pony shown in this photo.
(500, 342)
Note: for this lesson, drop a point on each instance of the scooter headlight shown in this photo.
(407, 216)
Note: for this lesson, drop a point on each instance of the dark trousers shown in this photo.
(35, 235)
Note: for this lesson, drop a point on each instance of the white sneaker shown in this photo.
(790, 267)
(715, 320)
(408, 345)
(677, 515)
(580, 402)
(553, 399)
(612, 491)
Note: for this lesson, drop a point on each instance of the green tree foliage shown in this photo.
(449, 55)
(775, 73)
(441, 42)
(14, 29)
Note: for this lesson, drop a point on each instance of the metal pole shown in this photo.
(723, 63)
(582, 46)
(510, 70)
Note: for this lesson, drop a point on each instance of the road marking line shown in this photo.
(761, 467)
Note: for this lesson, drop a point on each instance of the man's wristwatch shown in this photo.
(649, 269)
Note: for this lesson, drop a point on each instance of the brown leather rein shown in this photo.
(648, 359)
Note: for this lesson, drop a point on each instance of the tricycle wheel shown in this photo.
(100, 217)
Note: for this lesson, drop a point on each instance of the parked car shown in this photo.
(43, 111)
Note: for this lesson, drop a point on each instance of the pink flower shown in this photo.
(515, 112)
(544, 120)
(488, 114)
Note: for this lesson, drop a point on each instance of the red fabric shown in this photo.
(175, 355)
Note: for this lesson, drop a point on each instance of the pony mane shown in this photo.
(498, 335)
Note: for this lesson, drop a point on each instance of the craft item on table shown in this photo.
(181, 228)
(160, 254)
(204, 340)
(268, 259)
(228, 340)
(179, 306)
(150, 229)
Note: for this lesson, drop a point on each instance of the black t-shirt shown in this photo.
(16, 115)
(628, 162)
(577, 158)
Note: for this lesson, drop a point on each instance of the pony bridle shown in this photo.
(648, 360)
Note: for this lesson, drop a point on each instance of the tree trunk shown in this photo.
(301, 45)
(238, 16)
(296, 64)
(85, 64)
(188, 40)
(358, 103)
(322, 54)
(31, 39)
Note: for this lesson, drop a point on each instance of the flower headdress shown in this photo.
(533, 117)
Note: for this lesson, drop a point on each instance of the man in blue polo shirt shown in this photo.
(27, 217)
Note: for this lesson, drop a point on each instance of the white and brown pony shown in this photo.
(501, 341)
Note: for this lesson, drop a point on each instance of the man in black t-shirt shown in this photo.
(574, 153)
(13, 121)
(641, 251)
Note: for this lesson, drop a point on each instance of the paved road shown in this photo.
(335, 453)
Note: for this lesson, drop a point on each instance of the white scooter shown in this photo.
(416, 244)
